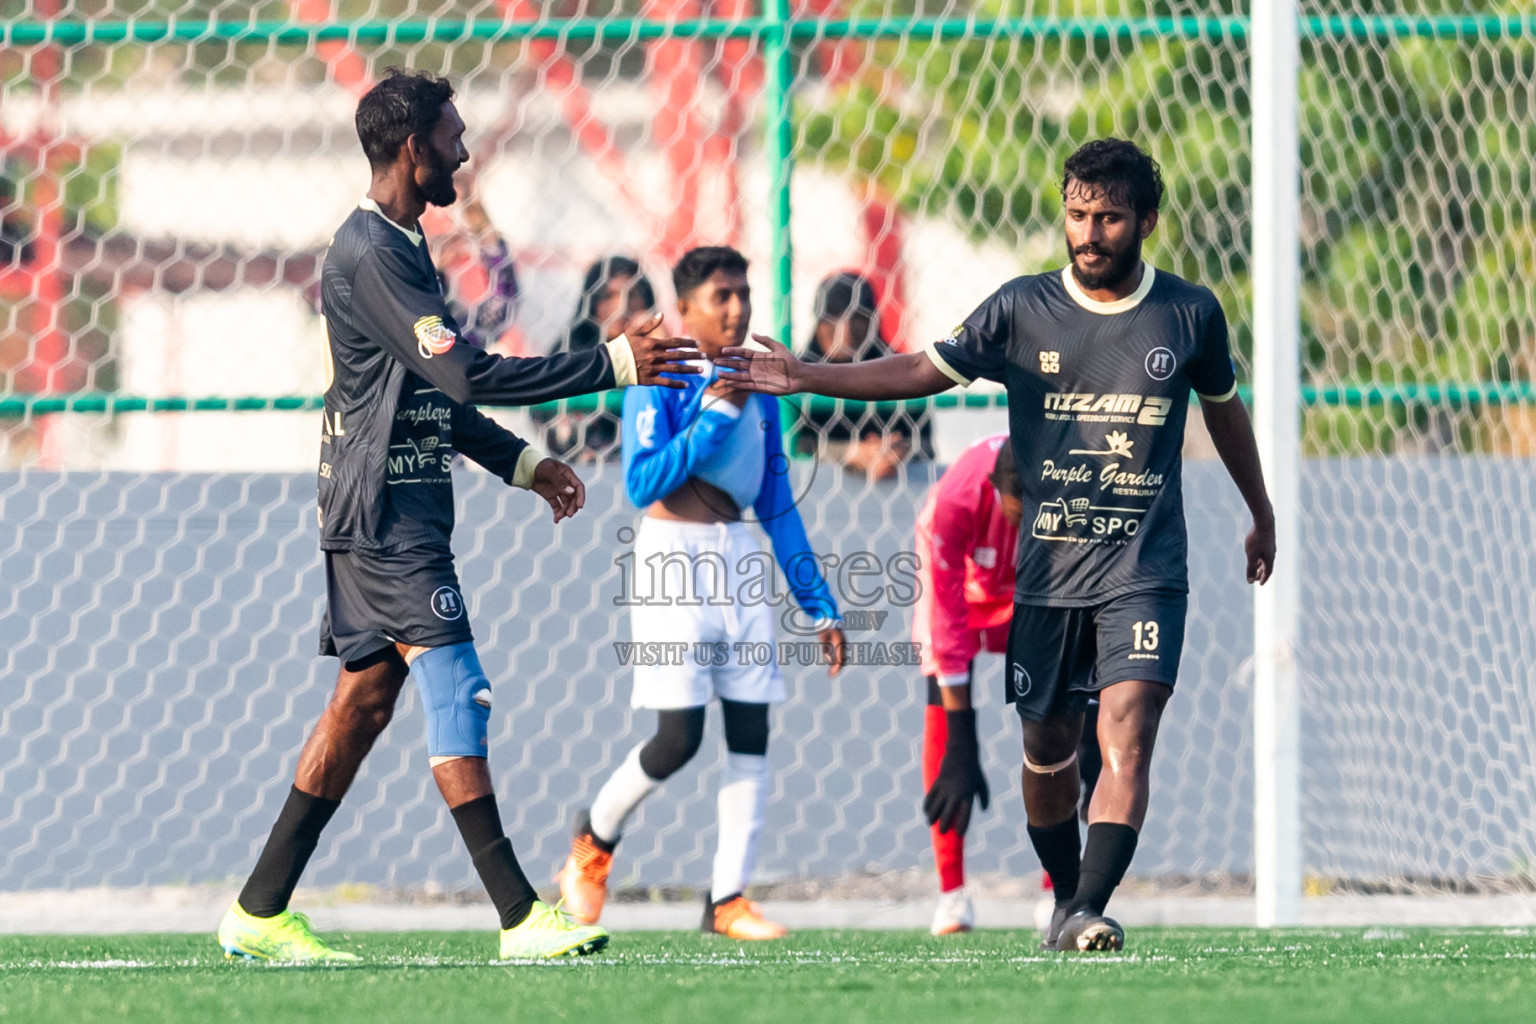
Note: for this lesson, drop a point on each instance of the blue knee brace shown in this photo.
(457, 699)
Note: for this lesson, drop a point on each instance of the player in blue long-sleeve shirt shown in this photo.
(698, 459)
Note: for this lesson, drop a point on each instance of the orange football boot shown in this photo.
(740, 918)
(584, 878)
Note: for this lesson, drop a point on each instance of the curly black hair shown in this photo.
(402, 104)
(1117, 170)
(699, 265)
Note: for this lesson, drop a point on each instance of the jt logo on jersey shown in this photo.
(1161, 364)
(447, 604)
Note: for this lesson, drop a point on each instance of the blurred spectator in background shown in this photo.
(611, 292)
(15, 227)
(864, 441)
(479, 278)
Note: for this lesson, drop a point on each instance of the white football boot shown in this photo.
(954, 915)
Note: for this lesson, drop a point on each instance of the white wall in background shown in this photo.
(234, 343)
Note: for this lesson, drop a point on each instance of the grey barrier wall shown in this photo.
(159, 636)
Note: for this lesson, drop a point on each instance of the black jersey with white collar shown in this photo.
(1098, 393)
(401, 387)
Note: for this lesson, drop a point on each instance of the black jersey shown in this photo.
(400, 388)
(1097, 398)
(418, 483)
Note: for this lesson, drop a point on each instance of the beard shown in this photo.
(439, 189)
(1122, 264)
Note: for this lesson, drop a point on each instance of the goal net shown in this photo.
(170, 175)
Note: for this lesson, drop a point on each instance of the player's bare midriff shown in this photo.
(696, 502)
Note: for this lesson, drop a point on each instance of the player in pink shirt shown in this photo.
(966, 534)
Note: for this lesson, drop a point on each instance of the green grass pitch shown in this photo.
(1179, 976)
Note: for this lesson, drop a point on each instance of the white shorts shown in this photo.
(691, 601)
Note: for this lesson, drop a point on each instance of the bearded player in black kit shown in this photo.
(400, 400)
(1098, 359)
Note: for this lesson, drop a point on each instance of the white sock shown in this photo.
(743, 802)
(619, 797)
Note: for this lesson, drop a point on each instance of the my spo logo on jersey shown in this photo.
(1079, 521)
(433, 337)
(1146, 410)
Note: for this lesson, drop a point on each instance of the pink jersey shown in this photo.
(966, 549)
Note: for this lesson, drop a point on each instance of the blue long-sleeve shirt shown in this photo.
(669, 436)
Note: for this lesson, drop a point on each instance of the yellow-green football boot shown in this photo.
(286, 937)
(547, 933)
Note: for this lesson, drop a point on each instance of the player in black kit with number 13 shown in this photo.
(1098, 359)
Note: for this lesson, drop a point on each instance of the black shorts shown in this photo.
(1060, 658)
(373, 601)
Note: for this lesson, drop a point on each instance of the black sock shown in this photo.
(1106, 855)
(1059, 848)
(293, 838)
(480, 825)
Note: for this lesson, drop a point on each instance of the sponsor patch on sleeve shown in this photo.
(433, 337)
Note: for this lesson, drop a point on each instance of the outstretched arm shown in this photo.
(411, 321)
(773, 368)
(1232, 433)
(977, 348)
(639, 356)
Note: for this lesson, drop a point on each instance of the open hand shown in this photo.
(559, 485)
(761, 365)
(657, 352)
